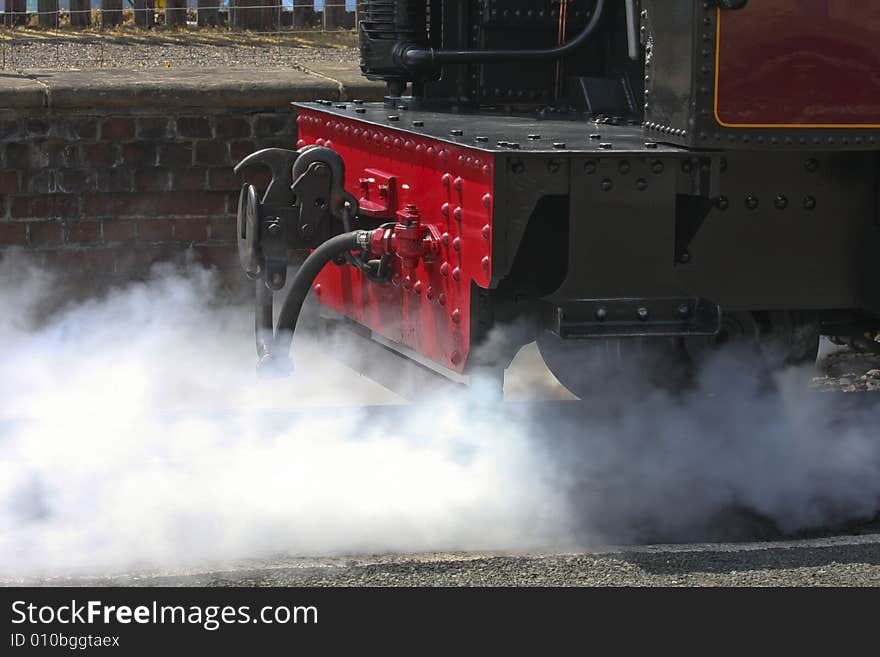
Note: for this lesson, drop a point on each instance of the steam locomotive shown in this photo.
(629, 178)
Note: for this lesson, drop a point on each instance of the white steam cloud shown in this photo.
(135, 433)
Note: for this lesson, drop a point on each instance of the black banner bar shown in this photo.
(126, 621)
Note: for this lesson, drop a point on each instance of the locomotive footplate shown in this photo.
(497, 133)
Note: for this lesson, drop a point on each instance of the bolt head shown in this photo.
(642, 313)
(456, 316)
(601, 314)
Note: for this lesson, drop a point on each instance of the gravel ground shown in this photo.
(849, 372)
(236, 51)
(840, 556)
(843, 561)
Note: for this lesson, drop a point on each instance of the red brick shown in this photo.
(152, 180)
(259, 177)
(176, 155)
(119, 230)
(39, 182)
(81, 127)
(232, 201)
(193, 127)
(223, 179)
(191, 230)
(117, 128)
(47, 206)
(97, 205)
(152, 127)
(116, 205)
(212, 153)
(10, 130)
(139, 154)
(135, 205)
(270, 125)
(18, 155)
(37, 127)
(12, 233)
(99, 155)
(238, 150)
(45, 233)
(174, 204)
(186, 180)
(222, 257)
(223, 229)
(9, 182)
(154, 230)
(84, 232)
(117, 179)
(232, 127)
(73, 181)
(60, 154)
(82, 261)
(137, 261)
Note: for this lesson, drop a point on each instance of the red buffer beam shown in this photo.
(448, 189)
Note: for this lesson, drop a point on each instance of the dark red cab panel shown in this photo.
(799, 63)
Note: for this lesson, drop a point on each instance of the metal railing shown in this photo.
(262, 16)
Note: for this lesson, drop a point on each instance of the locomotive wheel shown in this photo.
(585, 366)
(781, 338)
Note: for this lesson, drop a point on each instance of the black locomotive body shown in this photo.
(613, 170)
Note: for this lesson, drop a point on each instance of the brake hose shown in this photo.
(271, 345)
(415, 57)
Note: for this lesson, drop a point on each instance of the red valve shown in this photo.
(409, 239)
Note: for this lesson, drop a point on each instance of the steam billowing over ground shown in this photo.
(134, 433)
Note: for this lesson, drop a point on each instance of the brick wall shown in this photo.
(106, 194)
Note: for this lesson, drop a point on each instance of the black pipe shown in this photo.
(263, 319)
(269, 351)
(415, 57)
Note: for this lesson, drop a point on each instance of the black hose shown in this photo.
(269, 351)
(415, 57)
